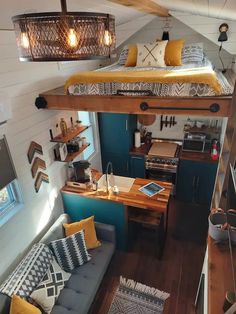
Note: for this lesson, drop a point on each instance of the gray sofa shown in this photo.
(80, 290)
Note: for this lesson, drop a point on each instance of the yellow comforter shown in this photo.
(204, 76)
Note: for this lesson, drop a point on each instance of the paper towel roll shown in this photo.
(137, 139)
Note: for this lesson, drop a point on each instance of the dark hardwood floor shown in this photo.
(178, 271)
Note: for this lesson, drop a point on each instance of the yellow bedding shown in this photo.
(204, 76)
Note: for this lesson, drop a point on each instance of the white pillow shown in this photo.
(151, 54)
(192, 53)
(50, 287)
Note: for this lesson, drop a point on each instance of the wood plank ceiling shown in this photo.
(204, 16)
(146, 6)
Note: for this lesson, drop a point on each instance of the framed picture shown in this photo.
(63, 151)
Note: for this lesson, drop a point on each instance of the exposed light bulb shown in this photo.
(24, 40)
(72, 38)
(107, 38)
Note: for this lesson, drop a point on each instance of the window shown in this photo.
(88, 118)
(10, 201)
(6, 198)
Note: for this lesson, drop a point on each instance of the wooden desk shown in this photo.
(109, 208)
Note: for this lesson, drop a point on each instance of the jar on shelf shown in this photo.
(84, 141)
(63, 127)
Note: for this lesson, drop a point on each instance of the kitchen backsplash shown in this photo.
(176, 131)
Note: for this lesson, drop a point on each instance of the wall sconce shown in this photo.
(223, 32)
(223, 37)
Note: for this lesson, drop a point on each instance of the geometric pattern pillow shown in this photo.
(123, 55)
(192, 53)
(29, 272)
(71, 251)
(151, 54)
(49, 288)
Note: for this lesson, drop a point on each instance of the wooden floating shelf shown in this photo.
(72, 156)
(71, 133)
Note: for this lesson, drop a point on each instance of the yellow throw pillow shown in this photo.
(89, 231)
(173, 53)
(20, 306)
(132, 56)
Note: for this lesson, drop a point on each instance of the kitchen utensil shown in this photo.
(146, 119)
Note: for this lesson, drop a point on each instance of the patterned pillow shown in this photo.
(71, 251)
(29, 272)
(123, 55)
(49, 288)
(152, 54)
(192, 53)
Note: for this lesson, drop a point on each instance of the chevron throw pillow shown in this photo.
(29, 272)
(71, 251)
(49, 288)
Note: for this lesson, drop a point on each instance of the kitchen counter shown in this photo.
(142, 150)
(114, 209)
(133, 198)
(197, 156)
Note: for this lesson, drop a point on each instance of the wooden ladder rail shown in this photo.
(227, 157)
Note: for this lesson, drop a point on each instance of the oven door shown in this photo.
(161, 175)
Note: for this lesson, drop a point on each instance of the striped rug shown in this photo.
(135, 298)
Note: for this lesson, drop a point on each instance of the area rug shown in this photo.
(135, 298)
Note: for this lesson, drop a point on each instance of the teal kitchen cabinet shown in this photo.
(195, 181)
(116, 139)
(79, 207)
(137, 166)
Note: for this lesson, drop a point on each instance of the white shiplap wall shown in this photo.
(21, 83)
(154, 30)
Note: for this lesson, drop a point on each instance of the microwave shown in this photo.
(196, 142)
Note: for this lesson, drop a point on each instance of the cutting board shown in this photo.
(164, 149)
(146, 119)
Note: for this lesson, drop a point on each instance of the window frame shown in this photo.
(12, 208)
(93, 126)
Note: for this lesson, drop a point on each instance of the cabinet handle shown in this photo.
(197, 183)
(126, 124)
(134, 157)
(193, 182)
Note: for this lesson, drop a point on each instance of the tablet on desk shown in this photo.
(151, 189)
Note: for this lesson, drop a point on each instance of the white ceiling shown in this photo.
(10, 8)
(204, 16)
(220, 9)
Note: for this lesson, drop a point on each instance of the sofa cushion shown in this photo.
(89, 231)
(29, 272)
(20, 306)
(49, 288)
(71, 251)
(81, 288)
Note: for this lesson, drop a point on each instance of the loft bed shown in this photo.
(156, 78)
(138, 97)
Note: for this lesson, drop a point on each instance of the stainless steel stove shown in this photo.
(162, 160)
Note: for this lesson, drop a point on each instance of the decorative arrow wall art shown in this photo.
(34, 148)
(38, 163)
(41, 177)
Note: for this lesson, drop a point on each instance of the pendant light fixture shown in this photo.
(64, 36)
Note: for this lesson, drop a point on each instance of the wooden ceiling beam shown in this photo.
(147, 6)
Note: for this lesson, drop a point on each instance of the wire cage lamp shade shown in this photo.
(64, 36)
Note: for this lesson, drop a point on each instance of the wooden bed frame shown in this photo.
(57, 99)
